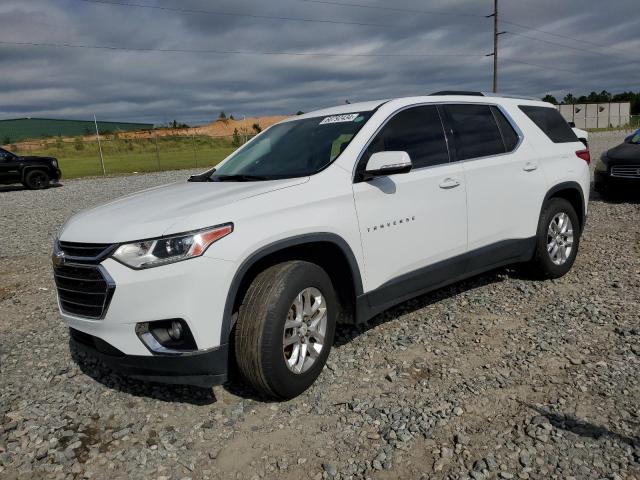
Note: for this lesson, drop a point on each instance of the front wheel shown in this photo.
(557, 239)
(285, 328)
(36, 179)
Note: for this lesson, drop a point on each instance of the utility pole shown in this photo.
(495, 44)
(95, 121)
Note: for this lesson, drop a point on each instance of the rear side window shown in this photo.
(551, 123)
(475, 131)
(417, 131)
(509, 135)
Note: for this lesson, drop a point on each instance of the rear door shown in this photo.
(504, 182)
(410, 223)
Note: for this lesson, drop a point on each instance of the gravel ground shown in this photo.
(500, 376)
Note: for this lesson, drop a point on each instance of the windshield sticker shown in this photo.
(349, 117)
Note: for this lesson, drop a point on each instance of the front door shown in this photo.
(413, 226)
(9, 171)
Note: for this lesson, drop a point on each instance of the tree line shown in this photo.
(603, 97)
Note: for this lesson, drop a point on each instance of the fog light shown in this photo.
(167, 336)
(175, 332)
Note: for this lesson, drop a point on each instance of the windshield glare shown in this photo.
(298, 148)
(634, 137)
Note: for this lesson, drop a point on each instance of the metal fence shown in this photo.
(86, 156)
(597, 115)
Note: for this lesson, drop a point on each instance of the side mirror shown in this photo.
(387, 163)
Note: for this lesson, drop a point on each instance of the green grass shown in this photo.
(81, 158)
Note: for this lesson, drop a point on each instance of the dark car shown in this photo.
(32, 172)
(618, 169)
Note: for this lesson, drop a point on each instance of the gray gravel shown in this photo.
(500, 376)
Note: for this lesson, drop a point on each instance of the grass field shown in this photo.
(81, 158)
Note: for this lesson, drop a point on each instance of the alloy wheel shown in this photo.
(560, 238)
(304, 330)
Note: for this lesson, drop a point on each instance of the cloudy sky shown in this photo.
(190, 59)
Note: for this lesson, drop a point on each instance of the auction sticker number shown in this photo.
(348, 117)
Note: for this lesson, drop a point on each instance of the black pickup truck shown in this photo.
(32, 172)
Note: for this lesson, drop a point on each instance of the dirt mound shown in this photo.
(226, 127)
(218, 128)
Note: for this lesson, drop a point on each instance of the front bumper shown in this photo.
(202, 368)
(602, 180)
(193, 290)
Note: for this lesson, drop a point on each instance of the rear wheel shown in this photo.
(285, 328)
(557, 240)
(36, 179)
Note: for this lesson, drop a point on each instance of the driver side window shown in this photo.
(5, 156)
(417, 131)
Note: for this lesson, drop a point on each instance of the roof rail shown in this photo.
(506, 95)
(458, 92)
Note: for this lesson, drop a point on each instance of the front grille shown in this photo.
(626, 171)
(83, 290)
(85, 251)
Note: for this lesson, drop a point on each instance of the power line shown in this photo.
(557, 44)
(274, 53)
(528, 27)
(545, 67)
(428, 12)
(234, 14)
(392, 9)
(237, 52)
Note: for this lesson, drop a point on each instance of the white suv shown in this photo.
(335, 215)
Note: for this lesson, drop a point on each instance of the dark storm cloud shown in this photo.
(194, 87)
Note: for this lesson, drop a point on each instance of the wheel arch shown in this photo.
(29, 168)
(571, 192)
(319, 248)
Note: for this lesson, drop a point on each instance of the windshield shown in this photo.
(292, 149)
(634, 137)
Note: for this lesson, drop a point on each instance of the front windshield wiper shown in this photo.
(239, 178)
(202, 177)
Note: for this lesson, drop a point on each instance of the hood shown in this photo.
(151, 213)
(625, 152)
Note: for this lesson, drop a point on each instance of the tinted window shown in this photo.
(551, 123)
(475, 131)
(509, 135)
(417, 131)
(296, 148)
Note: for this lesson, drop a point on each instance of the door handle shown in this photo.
(530, 167)
(449, 182)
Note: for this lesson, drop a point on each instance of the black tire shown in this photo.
(542, 264)
(36, 179)
(600, 186)
(260, 327)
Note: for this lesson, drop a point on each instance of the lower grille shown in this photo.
(94, 343)
(83, 290)
(626, 171)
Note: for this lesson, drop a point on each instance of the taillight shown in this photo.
(584, 155)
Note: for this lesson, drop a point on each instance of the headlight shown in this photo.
(54, 162)
(161, 251)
